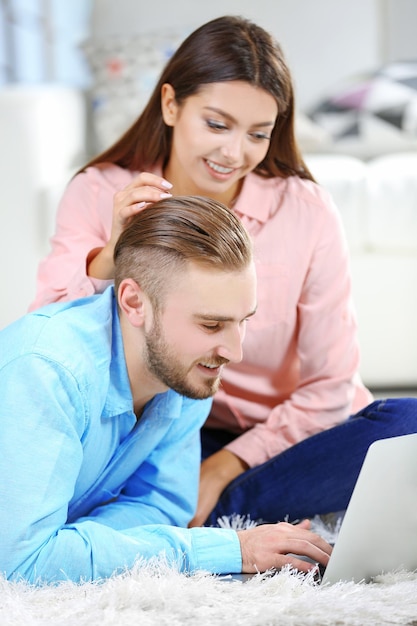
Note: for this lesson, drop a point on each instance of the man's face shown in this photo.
(200, 329)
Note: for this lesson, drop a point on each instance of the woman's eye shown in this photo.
(261, 136)
(216, 125)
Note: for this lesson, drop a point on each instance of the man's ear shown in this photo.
(169, 104)
(133, 302)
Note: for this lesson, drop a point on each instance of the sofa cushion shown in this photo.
(345, 178)
(373, 114)
(392, 203)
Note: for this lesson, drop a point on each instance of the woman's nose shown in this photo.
(233, 147)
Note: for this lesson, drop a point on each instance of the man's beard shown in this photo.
(165, 365)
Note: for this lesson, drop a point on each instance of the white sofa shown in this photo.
(42, 131)
(43, 138)
(378, 204)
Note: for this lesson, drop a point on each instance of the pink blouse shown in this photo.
(299, 373)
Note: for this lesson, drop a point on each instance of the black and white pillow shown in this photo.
(372, 114)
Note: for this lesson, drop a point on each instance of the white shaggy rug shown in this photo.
(153, 594)
(158, 596)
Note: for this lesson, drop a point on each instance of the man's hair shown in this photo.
(163, 238)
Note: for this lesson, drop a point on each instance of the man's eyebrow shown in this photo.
(210, 317)
(232, 119)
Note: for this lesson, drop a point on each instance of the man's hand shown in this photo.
(217, 471)
(275, 545)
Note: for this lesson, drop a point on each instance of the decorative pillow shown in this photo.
(372, 115)
(124, 73)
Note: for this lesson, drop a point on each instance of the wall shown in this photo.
(399, 20)
(323, 40)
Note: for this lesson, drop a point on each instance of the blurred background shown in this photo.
(325, 40)
(73, 75)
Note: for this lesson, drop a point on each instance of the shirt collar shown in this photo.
(119, 397)
(257, 198)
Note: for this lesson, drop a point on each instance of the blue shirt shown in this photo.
(85, 489)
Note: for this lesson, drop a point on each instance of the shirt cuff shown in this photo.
(216, 550)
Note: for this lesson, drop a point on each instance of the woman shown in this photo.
(220, 123)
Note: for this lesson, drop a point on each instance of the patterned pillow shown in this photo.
(374, 114)
(124, 72)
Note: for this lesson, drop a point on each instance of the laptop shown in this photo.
(378, 533)
(379, 530)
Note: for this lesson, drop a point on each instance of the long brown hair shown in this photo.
(228, 48)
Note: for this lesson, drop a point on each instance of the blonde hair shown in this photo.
(160, 241)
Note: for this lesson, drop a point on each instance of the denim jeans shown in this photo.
(315, 476)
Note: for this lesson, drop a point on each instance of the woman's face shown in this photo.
(219, 135)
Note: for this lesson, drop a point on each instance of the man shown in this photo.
(102, 400)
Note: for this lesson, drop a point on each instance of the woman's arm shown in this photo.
(328, 388)
(92, 213)
(83, 223)
(305, 340)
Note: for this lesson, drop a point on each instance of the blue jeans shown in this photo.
(315, 476)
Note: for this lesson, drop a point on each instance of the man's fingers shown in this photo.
(275, 545)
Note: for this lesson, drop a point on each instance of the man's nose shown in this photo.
(231, 348)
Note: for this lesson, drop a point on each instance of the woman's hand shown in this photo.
(144, 189)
